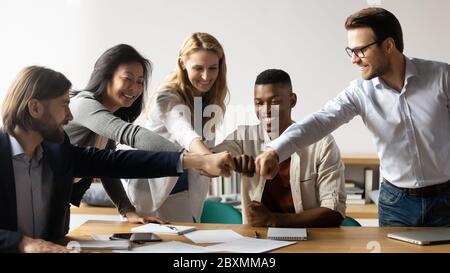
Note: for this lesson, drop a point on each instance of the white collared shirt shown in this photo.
(411, 129)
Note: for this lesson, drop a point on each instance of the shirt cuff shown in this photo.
(281, 147)
(334, 205)
(180, 167)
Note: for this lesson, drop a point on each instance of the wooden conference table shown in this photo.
(320, 240)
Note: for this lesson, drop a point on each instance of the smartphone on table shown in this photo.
(138, 238)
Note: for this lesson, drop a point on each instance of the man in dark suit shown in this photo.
(38, 163)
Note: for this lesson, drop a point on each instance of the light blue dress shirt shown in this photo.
(411, 129)
(33, 179)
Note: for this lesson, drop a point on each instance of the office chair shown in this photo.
(349, 222)
(218, 212)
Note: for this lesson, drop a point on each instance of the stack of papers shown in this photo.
(248, 245)
(243, 245)
(157, 228)
(101, 236)
(229, 241)
(167, 247)
(95, 244)
(213, 236)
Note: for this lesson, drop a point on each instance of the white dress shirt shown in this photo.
(171, 119)
(411, 129)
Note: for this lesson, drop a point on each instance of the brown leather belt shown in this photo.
(427, 191)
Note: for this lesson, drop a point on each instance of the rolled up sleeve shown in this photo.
(331, 178)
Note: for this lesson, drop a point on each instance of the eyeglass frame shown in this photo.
(351, 51)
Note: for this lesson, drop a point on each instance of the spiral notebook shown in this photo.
(287, 234)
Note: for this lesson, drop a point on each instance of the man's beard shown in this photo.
(378, 72)
(48, 129)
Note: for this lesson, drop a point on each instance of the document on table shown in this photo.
(157, 228)
(101, 237)
(95, 244)
(213, 236)
(167, 247)
(249, 245)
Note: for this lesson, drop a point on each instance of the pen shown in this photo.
(172, 227)
(256, 234)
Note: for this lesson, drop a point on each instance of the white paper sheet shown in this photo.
(213, 236)
(248, 245)
(101, 237)
(95, 244)
(157, 228)
(167, 247)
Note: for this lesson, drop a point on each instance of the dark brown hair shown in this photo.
(33, 82)
(383, 23)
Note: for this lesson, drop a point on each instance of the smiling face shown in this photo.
(375, 63)
(125, 86)
(273, 104)
(202, 68)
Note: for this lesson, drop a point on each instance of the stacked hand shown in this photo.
(220, 164)
(245, 164)
(267, 164)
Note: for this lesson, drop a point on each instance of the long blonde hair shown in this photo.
(178, 81)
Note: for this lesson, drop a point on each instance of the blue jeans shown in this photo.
(396, 208)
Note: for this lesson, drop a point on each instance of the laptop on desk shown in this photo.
(424, 237)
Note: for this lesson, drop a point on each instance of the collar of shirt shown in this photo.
(410, 71)
(17, 150)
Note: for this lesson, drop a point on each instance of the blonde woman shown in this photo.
(186, 109)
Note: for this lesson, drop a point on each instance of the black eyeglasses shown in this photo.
(358, 51)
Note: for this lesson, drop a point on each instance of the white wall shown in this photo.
(306, 38)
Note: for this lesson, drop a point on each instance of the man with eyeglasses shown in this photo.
(404, 102)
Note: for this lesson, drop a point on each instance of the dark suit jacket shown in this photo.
(68, 161)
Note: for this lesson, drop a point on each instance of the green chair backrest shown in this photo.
(218, 212)
(349, 222)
